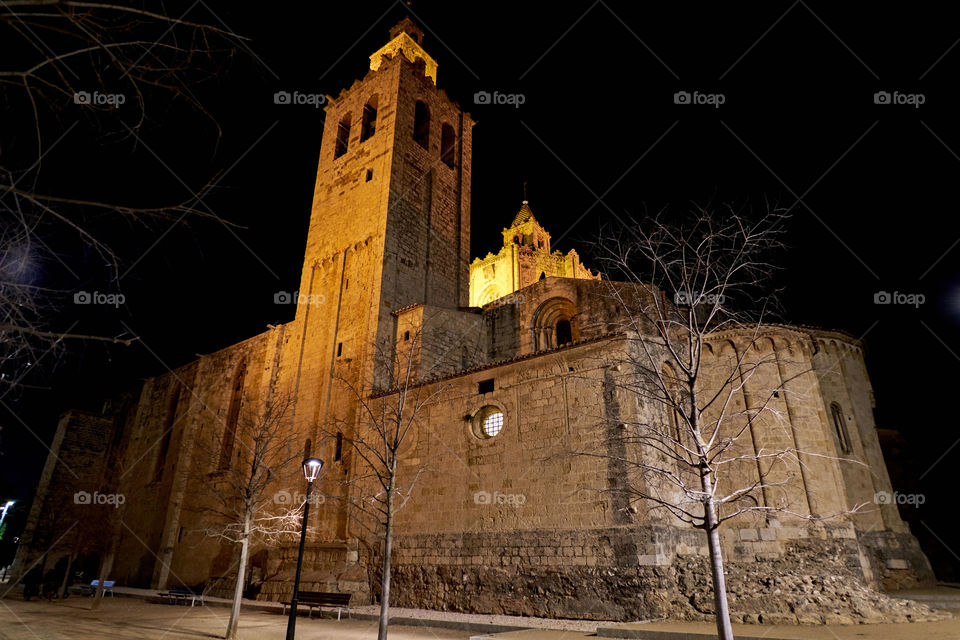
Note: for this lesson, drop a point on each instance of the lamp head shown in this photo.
(311, 468)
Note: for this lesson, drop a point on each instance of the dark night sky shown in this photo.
(876, 182)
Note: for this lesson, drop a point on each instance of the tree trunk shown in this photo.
(241, 575)
(66, 576)
(720, 606)
(385, 578)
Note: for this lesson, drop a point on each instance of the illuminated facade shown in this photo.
(524, 259)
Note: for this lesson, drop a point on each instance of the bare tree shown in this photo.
(66, 63)
(384, 473)
(692, 448)
(243, 508)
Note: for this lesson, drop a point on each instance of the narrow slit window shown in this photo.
(840, 426)
(368, 125)
(421, 125)
(448, 143)
(343, 137)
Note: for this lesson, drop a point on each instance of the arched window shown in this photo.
(368, 125)
(542, 276)
(338, 451)
(233, 415)
(564, 332)
(840, 426)
(307, 448)
(343, 137)
(167, 434)
(555, 324)
(421, 125)
(448, 141)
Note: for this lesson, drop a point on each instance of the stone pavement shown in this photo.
(133, 619)
(130, 616)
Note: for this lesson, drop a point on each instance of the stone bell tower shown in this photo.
(390, 223)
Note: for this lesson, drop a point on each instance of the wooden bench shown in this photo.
(91, 589)
(320, 599)
(179, 594)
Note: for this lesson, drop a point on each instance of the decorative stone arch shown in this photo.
(555, 324)
(766, 344)
(489, 295)
(727, 346)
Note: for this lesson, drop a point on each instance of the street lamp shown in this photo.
(3, 514)
(311, 469)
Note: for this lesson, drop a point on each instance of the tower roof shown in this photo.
(409, 27)
(524, 215)
(406, 38)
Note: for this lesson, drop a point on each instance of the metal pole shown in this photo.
(292, 622)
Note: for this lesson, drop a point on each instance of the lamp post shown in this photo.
(311, 469)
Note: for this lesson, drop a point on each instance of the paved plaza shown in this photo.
(135, 619)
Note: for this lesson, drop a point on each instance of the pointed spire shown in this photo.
(525, 214)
